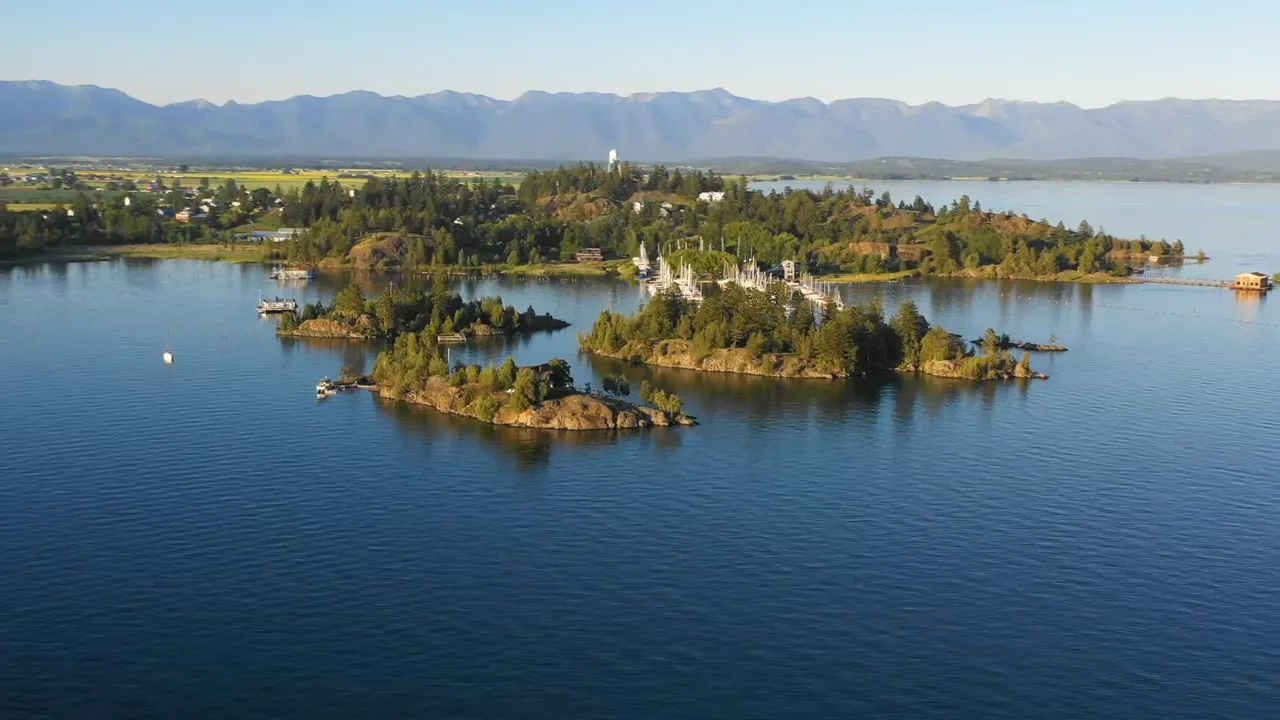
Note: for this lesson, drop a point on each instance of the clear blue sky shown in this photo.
(1089, 52)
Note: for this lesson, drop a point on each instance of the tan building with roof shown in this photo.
(1252, 281)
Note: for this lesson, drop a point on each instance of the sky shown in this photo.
(1088, 52)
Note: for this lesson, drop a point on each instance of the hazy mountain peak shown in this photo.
(40, 117)
(197, 104)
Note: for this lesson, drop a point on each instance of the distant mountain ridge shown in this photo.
(40, 117)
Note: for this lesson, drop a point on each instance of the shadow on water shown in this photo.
(356, 355)
(766, 399)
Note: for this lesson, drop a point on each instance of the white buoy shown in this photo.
(168, 357)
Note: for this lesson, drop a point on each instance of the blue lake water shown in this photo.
(207, 539)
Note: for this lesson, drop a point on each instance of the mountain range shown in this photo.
(45, 118)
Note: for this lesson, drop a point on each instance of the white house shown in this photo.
(713, 196)
(275, 235)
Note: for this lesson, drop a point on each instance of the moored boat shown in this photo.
(277, 305)
(280, 273)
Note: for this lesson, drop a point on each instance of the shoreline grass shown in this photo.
(238, 253)
(868, 277)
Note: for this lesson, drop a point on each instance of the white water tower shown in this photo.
(613, 160)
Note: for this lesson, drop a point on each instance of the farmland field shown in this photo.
(27, 196)
(252, 179)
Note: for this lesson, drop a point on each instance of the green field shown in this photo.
(250, 178)
(23, 195)
(237, 253)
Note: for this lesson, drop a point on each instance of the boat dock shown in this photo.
(327, 387)
(1244, 282)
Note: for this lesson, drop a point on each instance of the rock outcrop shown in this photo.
(362, 328)
(566, 411)
(962, 370)
(680, 354)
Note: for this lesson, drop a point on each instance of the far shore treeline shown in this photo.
(429, 220)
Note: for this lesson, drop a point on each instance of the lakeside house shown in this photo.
(278, 236)
(1253, 281)
(590, 255)
(789, 270)
(712, 196)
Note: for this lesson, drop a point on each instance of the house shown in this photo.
(713, 196)
(789, 270)
(637, 207)
(279, 236)
(184, 216)
(590, 255)
(1252, 281)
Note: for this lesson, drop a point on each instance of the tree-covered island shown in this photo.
(397, 311)
(777, 333)
(541, 396)
(430, 221)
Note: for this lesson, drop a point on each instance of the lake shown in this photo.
(209, 539)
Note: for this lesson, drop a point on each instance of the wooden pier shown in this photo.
(1244, 282)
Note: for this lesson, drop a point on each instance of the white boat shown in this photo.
(277, 305)
(168, 357)
(326, 387)
(643, 268)
(292, 274)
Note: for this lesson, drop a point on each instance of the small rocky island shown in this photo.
(780, 334)
(1003, 342)
(541, 396)
(398, 311)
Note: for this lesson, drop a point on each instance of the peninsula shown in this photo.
(776, 333)
(541, 396)
(581, 220)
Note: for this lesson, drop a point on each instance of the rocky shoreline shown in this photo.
(678, 354)
(564, 410)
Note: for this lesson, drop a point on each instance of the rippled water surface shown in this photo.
(208, 539)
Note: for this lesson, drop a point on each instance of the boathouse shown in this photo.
(590, 255)
(1252, 281)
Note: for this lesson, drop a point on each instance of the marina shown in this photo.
(680, 280)
(752, 277)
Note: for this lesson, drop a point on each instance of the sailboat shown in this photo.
(168, 352)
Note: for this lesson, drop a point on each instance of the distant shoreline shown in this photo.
(1038, 181)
